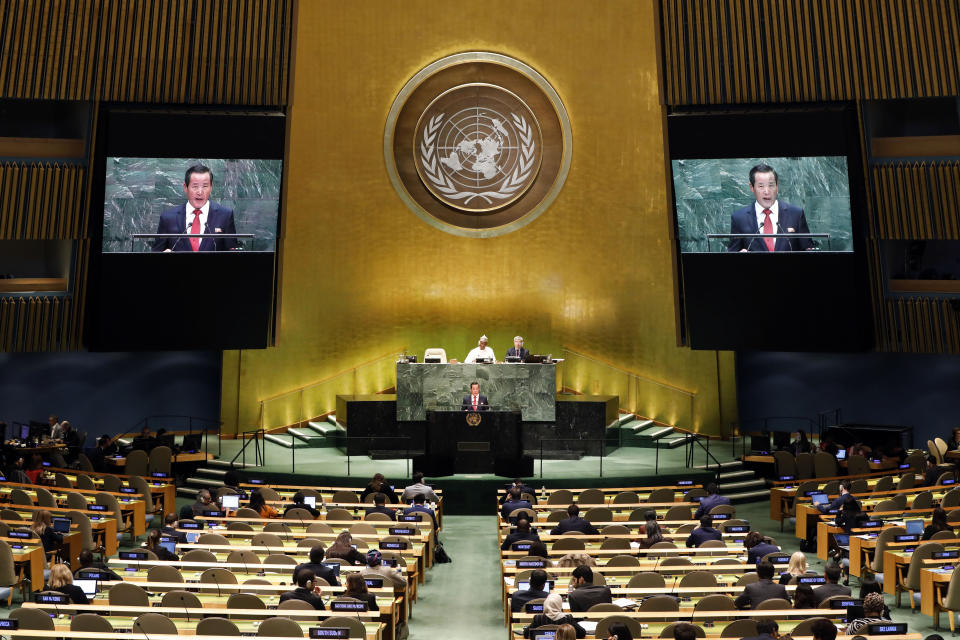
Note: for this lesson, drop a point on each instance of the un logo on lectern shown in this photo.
(477, 144)
(473, 419)
(479, 147)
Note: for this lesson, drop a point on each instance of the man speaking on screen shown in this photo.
(768, 215)
(197, 216)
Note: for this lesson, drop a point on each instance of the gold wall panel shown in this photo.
(174, 51)
(362, 274)
(742, 51)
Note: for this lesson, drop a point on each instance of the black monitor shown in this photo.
(760, 442)
(192, 442)
(781, 440)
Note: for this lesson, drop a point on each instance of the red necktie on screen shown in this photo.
(474, 403)
(768, 228)
(195, 228)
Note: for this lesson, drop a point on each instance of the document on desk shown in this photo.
(625, 602)
(590, 626)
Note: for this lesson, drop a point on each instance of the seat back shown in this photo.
(951, 601)
(244, 556)
(277, 527)
(932, 448)
(164, 573)
(154, 623)
(699, 579)
(84, 462)
(561, 496)
(857, 465)
(90, 622)
(591, 496)
(45, 498)
(436, 352)
(804, 467)
(921, 553)
(129, 595)
(143, 489)
(199, 555)
(301, 514)
(615, 543)
(923, 500)
(159, 460)
(824, 465)
(715, 602)
(615, 530)
(62, 481)
(724, 509)
(623, 561)
(626, 497)
(656, 603)
(344, 496)
(20, 497)
(319, 527)
(282, 558)
(663, 494)
(786, 463)
(907, 481)
(356, 627)
(264, 539)
(774, 603)
(302, 605)
(245, 601)
(8, 571)
(678, 512)
(805, 627)
(217, 627)
(885, 483)
(598, 514)
(280, 627)
(886, 536)
(742, 628)
(181, 599)
(646, 579)
(568, 543)
(339, 514)
(668, 630)
(86, 483)
(138, 463)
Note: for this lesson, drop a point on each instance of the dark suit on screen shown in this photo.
(744, 220)
(482, 404)
(512, 351)
(175, 221)
(754, 594)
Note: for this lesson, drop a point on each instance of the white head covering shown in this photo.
(553, 606)
(482, 339)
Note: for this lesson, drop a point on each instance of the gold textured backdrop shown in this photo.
(362, 276)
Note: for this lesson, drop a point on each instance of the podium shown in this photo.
(474, 442)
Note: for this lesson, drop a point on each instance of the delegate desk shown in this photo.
(528, 388)
(161, 488)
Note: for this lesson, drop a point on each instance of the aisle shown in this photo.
(463, 596)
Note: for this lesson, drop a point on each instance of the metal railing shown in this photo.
(192, 424)
(584, 452)
(259, 448)
(393, 443)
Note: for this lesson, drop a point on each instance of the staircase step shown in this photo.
(214, 473)
(307, 436)
(654, 432)
(749, 496)
(225, 464)
(332, 419)
(287, 442)
(730, 465)
(190, 492)
(730, 476)
(204, 483)
(638, 425)
(625, 418)
(746, 485)
(673, 442)
(325, 429)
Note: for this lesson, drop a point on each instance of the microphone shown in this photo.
(136, 623)
(780, 230)
(217, 582)
(675, 580)
(183, 603)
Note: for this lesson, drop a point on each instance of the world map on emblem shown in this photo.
(477, 147)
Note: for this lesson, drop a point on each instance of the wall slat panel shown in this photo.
(808, 50)
(40, 200)
(178, 51)
(917, 200)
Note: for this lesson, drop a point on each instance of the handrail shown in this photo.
(218, 427)
(256, 437)
(665, 385)
(392, 354)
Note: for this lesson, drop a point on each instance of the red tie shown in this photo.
(195, 228)
(768, 228)
(474, 403)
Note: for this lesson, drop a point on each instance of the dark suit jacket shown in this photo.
(709, 502)
(173, 533)
(757, 552)
(303, 594)
(754, 594)
(744, 220)
(390, 513)
(520, 598)
(175, 221)
(510, 505)
(319, 571)
(518, 537)
(523, 352)
(700, 535)
(829, 590)
(763, 637)
(574, 524)
(482, 404)
(587, 595)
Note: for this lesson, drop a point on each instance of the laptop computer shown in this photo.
(61, 525)
(525, 585)
(310, 501)
(230, 502)
(170, 544)
(914, 527)
(89, 586)
(819, 499)
(335, 566)
(841, 454)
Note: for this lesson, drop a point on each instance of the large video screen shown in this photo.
(717, 197)
(145, 197)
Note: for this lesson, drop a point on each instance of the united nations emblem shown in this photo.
(478, 147)
(477, 144)
(473, 418)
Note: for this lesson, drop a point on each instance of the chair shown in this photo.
(155, 623)
(213, 538)
(743, 627)
(932, 448)
(239, 526)
(128, 594)
(277, 527)
(623, 561)
(355, 626)
(662, 494)
(84, 526)
(786, 463)
(301, 514)
(944, 535)
(886, 536)
(560, 496)
(668, 630)
(159, 461)
(900, 500)
(301, 605)
(824, 465)
(626, 497)
(678, 513)
(199, 555)
(804, 628)
(344, 496)
(319, 527)
(907, 481)
(658, 603)
(857, 465)
(605, 606)
(86, 483)
(732, 522)
(113, 506)
(724, 509)
(774, 603)
(747, 578)
(804, 472)
(218, 576)
(529, 514)
(949, 601)
(265, 539)
(615, 543)
(164, 573)
(646, 579)
(280, 627)
(180, 599)
(715, 602)
(61, 481)
(676, 561)
(376, 516)
(9, 576)
(90, 622)
(339, 514)
(941, 446)
(946, 476)
(713, 544)
(9, 514)
(566, 543)
(603, 626)
(615, 530)
(556, 516)
(591, 496)
(245, 601)
(45, 498)
(694, 494)
(698, 579)
(33, 619)
(281, 558)
(20, 497)
(76, 501)
(143, 489)
(138, 463)
(598, 514)
(911, 581)
(923, 500)
(217, 627)
(860, 485)
(309, 543)
(917, 462)
(831, 487)
(243, 556)
(886, 505)
(885, 483)
(436, 352)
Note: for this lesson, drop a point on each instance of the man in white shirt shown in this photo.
(480, 352)
(198, 215)
(56, 428)
(410, 492)
(768, 215)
